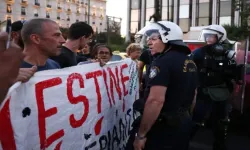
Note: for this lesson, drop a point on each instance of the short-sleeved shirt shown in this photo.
(67, 58)
(176, 71)
(50, 64)
(147, 59)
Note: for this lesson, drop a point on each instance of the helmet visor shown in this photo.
(149, 35)
(207, 35)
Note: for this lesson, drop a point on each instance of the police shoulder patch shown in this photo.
(153, 72)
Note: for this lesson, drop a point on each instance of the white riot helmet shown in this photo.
(141, 38)
(169, 32)
(138, 39)
(217, 30)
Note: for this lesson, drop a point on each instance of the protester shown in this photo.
(24, 73)
(79, 35)
(42, 39)
(10, 60)
(134, 51)
(101, 53)
(84, 54)
(16, 32)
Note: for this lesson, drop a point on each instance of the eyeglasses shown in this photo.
(104, 53)
(153, 38)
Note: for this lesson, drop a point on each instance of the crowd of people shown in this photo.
(41, 46)
(169, 86)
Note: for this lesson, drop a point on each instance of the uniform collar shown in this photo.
(163, 52)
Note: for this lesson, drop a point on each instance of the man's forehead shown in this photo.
(103, 48)
(155, 34)
(210, 35)
(50, 25)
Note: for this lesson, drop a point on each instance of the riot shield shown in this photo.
(239, 100)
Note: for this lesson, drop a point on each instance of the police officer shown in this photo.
(170, 91)
(215, 66)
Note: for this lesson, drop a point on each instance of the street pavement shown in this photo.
(203, 140)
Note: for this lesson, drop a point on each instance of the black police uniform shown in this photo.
(175, 70)
(213, 93)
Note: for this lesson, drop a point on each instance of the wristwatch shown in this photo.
(137, 136)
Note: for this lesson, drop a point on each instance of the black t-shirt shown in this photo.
(67, 58)
(83, 57)
(50, 64)
(147, 59)
(176, 71)
(88, 56)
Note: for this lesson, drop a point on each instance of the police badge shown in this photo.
(153, 72)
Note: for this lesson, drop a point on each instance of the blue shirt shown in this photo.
(50, 64)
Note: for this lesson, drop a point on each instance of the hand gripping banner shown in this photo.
(85, 107)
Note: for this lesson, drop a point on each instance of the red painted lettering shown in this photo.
(74, 100)
(43, 114)
(58, 146)
(106, 85)
(124, 79)
(6, 132)
(114, 80)
(94, 75)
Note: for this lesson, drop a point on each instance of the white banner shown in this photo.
(85, 107)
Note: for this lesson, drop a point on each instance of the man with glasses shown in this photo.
(170, 92)
(79, 35)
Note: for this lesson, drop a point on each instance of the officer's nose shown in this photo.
(149, 42)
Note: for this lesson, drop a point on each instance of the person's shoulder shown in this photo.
(172, 55)
(145, 53)
(145, 56)
(62, 56)
(53, 64)
(197, 51)
(165, 59)
(64, 52)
